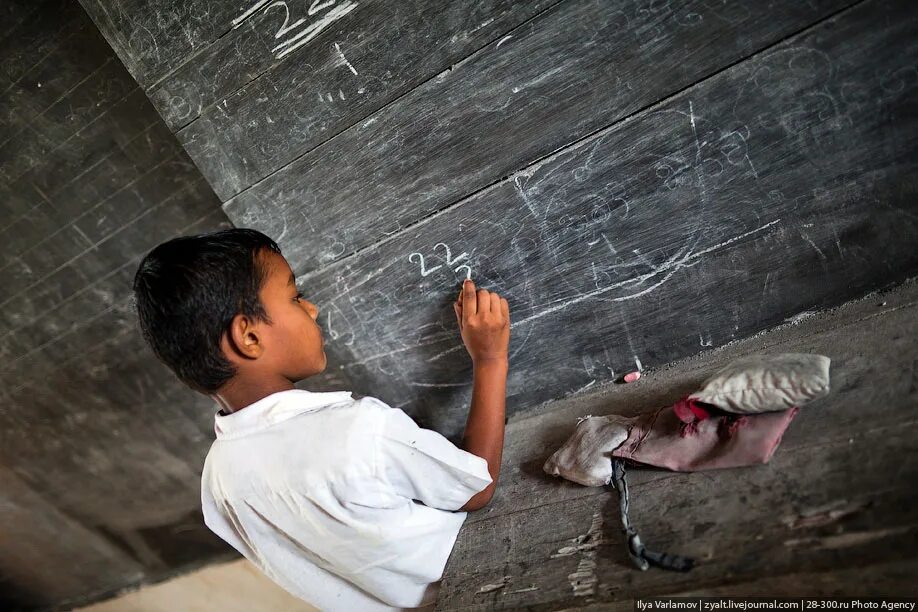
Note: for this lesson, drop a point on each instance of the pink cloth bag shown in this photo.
(736, 419)
(689, 436)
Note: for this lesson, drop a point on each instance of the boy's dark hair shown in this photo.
(188, 290)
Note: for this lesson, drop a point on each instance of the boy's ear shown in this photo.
(244, 337)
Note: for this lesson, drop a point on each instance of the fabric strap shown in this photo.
(642, 557)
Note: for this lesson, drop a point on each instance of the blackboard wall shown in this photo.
(100, 449)
(642, 180)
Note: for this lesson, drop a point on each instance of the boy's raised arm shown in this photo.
(484, 323)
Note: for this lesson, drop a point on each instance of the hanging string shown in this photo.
(639, 554)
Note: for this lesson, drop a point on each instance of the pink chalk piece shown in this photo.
(631, 377)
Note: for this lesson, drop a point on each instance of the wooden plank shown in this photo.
(153, 38)
(108, 132)
(18, 234)
(109, 326)
(86, 163)
(308, 96)
(37, 29)
(194, 82)
(530, 440)
(81, 106)
(737, 203)
(14, 203)
(169, 177)
(179, 209)
(30, 272)
(123, 169)
(872, 579)
(174, 215)
(113, 461)
(30, 330)
(74, 52)
(84, 296)
(823, 506)
(101, 201)
(22, 151)
(51, 556)
(58, 279)
(128, 510)
(147, 528)
(576, 68)
(72, 86)
(14, 14)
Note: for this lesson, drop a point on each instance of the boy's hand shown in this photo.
(484, 323)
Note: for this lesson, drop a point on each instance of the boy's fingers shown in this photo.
(505, 308)
(469, 303)
(484, 300)
(458, 310)
(495, 303)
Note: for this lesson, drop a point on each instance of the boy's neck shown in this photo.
(238, 394)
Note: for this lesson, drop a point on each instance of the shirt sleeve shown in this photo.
(422, 464)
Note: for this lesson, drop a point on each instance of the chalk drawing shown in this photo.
(308, 31)
(583, 580)
(341, 53)
(483, 24)
(438, 385)
(468, 271)
(336, 334)
(664, 271)
(318, 5)
(312, 30)
(450, 260)
(424, 271)
(446, 352)
(449, 257)
(812, 244)
(251, 11)
(286, 27)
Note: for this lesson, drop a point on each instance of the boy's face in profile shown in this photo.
(292, 346)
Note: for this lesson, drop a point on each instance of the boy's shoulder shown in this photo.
(367, 415)
(388, 416)
(339, 435)
(368, 402)
(374, 417)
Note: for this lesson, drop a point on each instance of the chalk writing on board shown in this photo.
(345, 333)
(341, 53)
(449, 261)
(309, 29)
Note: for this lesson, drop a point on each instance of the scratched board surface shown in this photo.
(641, 179)
(287, 76)
(493, 114)
(702, 220)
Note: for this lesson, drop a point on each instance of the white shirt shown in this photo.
(316, 490)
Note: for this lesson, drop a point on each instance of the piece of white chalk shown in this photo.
(632, 376)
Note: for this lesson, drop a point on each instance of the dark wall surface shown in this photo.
(100, 448)
(640, 179)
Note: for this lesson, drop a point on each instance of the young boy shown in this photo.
(344, 502)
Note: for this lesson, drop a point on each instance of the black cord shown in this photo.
(639, 554)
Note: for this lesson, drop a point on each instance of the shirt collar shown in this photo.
(273, 409)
